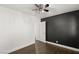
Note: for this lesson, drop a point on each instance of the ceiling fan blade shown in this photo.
(40, 6)
(46, 10)
(47, 5)
(36, 5)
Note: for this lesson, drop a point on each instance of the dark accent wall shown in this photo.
(63, 29)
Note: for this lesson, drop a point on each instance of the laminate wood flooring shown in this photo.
(43, 48)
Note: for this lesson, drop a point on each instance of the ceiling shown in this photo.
(20, 7)
(55, 9)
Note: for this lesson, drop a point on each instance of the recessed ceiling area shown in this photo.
(54, 9)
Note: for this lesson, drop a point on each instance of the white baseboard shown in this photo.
(20, 47)
(63, 46)
(42, 41)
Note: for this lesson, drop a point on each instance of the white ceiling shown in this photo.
(55, 9)
(20, 7)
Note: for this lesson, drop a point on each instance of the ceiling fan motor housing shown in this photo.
(42, 7)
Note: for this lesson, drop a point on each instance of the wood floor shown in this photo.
(43, 48)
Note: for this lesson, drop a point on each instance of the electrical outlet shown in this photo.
(56, 41)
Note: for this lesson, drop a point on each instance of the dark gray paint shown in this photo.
(63, 29)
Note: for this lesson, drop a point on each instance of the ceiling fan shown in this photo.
(42, 7)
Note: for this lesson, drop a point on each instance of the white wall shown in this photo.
(43, 31)
(16, 30)
(40, 30)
